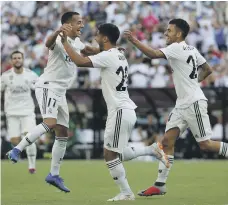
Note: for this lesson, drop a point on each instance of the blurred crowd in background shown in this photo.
(27, 29)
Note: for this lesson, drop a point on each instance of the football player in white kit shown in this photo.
(51, 95)
(19, 106)
(191, 105)
(121, 109)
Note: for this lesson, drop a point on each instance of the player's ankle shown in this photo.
(159, 183)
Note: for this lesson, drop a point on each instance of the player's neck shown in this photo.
(72, 37)
(180, 40)
(18, 71)
(108, 47)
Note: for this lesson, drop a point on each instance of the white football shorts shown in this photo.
(118, 130)
(17, 125)
(53, 106)
(195, 117)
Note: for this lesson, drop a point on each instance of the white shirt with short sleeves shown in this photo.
(184, 61)
(18, 99)
(114, 77)
(60, 70)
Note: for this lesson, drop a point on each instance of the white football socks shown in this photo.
(163, 172)
(117, 172)
(31, 155)
(130, 153)
(58, 152)
(33, 136)
(223, 149)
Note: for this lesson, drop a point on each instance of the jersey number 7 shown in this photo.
(121, 86)
(193, 74)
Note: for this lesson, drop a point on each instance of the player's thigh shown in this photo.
(118, 129)
(63, 113)
(176, 120)
(28, 123)
(48, 102)
(198, 120)
(13, 126)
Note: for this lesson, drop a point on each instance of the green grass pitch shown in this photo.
(190, 183)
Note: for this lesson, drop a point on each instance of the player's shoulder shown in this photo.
(8, 72)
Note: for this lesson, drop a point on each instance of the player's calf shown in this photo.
(214, 146)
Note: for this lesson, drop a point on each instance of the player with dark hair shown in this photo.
(19, 106)
(51, 95)
(191, 105)
(121, 109)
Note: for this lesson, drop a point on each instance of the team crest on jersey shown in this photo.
(49, 110)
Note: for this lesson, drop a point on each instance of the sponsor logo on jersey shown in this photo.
(196, 136)
(108, 145)
(67, 58)
(50, 110)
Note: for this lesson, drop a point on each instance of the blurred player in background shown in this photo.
(121, 109)
(191, 105)
(51, 95)
(19, 106)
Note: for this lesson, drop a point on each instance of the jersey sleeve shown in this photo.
(200, 59)
(171, 51)
(58, 44)
(100, 60)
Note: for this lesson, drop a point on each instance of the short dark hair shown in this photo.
(111, 31)
(15, 53)
(68, 16)
(182, 25)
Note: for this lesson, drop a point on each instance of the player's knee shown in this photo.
(205, 145)
(109, 155)
(61, 131)
(50, 122)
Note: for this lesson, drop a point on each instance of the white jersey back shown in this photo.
(184, 61)
(114, 77)
(18, 99)
(60, 69)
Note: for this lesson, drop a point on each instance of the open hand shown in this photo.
(129, 36)
(63, 36)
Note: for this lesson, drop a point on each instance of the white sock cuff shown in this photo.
(170, 159)
(223, 149)
(114, 163)
(64, 139)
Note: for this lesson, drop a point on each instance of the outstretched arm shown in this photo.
(148, 51)
(88, 50)
(74, 56)
(205, 70)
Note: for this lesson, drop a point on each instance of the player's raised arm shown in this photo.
(148, 51)
(50, 42)
(204, 71)
(74, 56)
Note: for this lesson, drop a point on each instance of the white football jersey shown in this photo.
(18, 99)
(60, 70)
(184, 61)
(114, 77)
